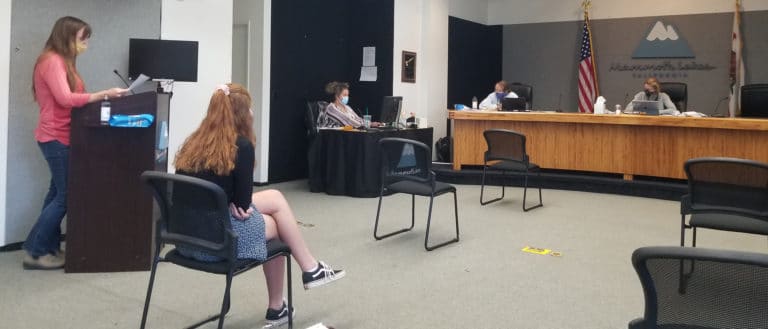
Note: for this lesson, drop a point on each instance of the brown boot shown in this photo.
(45, 262)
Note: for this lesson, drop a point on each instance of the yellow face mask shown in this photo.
(80, 47)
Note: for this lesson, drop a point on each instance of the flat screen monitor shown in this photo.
(163, 59)
(510, 104)
(754, 101)
(390, 109)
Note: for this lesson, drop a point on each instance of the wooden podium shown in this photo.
(110, 218)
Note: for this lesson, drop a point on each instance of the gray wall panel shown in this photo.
(113, 23)
(545, 56)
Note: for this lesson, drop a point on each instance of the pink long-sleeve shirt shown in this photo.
(55, 99)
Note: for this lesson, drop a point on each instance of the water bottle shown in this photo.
(474, 102)
(106, 109)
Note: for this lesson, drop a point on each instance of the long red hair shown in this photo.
(212, 146)
(63, 41)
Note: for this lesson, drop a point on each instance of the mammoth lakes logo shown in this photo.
(663, 41)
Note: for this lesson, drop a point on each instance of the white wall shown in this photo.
(258, 15)
(471, 10)
(422, 27)
(210, 23)
(5, 61)
(526, 11)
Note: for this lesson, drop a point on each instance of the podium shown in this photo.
(110, 213)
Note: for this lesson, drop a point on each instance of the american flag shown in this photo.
(588, 90)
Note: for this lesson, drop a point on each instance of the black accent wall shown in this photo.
(474, 60)
(313, 43)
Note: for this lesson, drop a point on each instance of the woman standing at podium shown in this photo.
(57, 88)
(222, 151)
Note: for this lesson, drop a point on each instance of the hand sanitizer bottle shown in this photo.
(106, 109)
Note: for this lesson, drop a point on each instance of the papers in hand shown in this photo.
(138, 82)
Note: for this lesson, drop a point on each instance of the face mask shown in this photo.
(345, 100)
(648, 93)
(500, 95)
(80, 47)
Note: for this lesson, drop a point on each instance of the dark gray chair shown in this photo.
(725, 194)
(523, 91)
(194, 214)
(678, 93)
(506, 153)
(726, 290)
(406, 168)
(313, 145)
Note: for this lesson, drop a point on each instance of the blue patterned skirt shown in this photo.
(251, 242)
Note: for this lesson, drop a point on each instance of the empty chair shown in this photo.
(725, 290)
(194, 214)
(313, 145)
(754, 100)
(406, 168)
(678, 93)
(726, 194)
(523, 91)
(506, 153)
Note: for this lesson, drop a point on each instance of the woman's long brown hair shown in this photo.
(212, 146)
(63, 41)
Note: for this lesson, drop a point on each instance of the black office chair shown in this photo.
(506, 149)
(725, 194)
(194, 214)
(754, 100)
(727, 289)
(678, 93)
(523, 91)
(313, 145)
(406, 168)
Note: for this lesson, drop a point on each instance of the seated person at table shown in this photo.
(221, 151)
(494, 99)
(338, 113)
(652, 92)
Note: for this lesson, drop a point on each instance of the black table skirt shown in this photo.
(348, 162)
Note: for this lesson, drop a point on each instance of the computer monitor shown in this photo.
(509, 104)
(390, 109)
(754, 101)
(163, 59)
(647, 107)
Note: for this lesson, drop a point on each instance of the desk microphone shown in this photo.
(559, 102)
(716, 113)
(127, 85)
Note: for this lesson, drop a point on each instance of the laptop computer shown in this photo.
(647, 107)
(513, 104)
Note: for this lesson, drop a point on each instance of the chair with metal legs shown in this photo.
(406, 168)
(506, 153)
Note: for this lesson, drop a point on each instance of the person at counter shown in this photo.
(652, 92)
(493, 100)
(338, 113)
(58, 89)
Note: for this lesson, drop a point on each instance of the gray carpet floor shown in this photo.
(484, 281)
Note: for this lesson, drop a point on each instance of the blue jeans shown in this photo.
(45, 236)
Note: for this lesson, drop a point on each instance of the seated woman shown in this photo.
(500, 91)
(652, 92)
(338, 113)
(221, 151)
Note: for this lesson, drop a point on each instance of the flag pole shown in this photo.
(587, 4)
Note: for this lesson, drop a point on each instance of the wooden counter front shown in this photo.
(623, 144)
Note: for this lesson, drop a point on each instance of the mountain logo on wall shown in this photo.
(663, 41)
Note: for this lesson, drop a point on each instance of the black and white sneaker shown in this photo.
(276, 318)
(322, 275)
